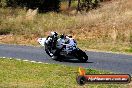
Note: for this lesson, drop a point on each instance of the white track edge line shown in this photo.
(39, 62)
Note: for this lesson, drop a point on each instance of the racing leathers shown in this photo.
(50, 44)
(59, 46)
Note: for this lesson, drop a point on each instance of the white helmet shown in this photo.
(54, 33)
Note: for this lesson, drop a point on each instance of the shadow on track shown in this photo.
(75, 61)
(71, 60)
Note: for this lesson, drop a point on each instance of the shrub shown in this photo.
(5, 31)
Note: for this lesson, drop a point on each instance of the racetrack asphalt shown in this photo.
(118, 63)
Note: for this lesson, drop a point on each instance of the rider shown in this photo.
(61, 41)
(50, 43)
(60, 45)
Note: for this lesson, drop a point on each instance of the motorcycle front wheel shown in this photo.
(81, 55)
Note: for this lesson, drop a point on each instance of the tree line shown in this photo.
(48, 5)
(42, 5)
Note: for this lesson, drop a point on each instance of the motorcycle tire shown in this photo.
(82, 56)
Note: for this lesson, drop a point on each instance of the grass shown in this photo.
(106, 28)
(129, 50)
(20, 74)
(98, 46)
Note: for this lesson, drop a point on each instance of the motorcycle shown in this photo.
(69, 49)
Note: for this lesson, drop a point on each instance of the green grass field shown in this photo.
(20, 74)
